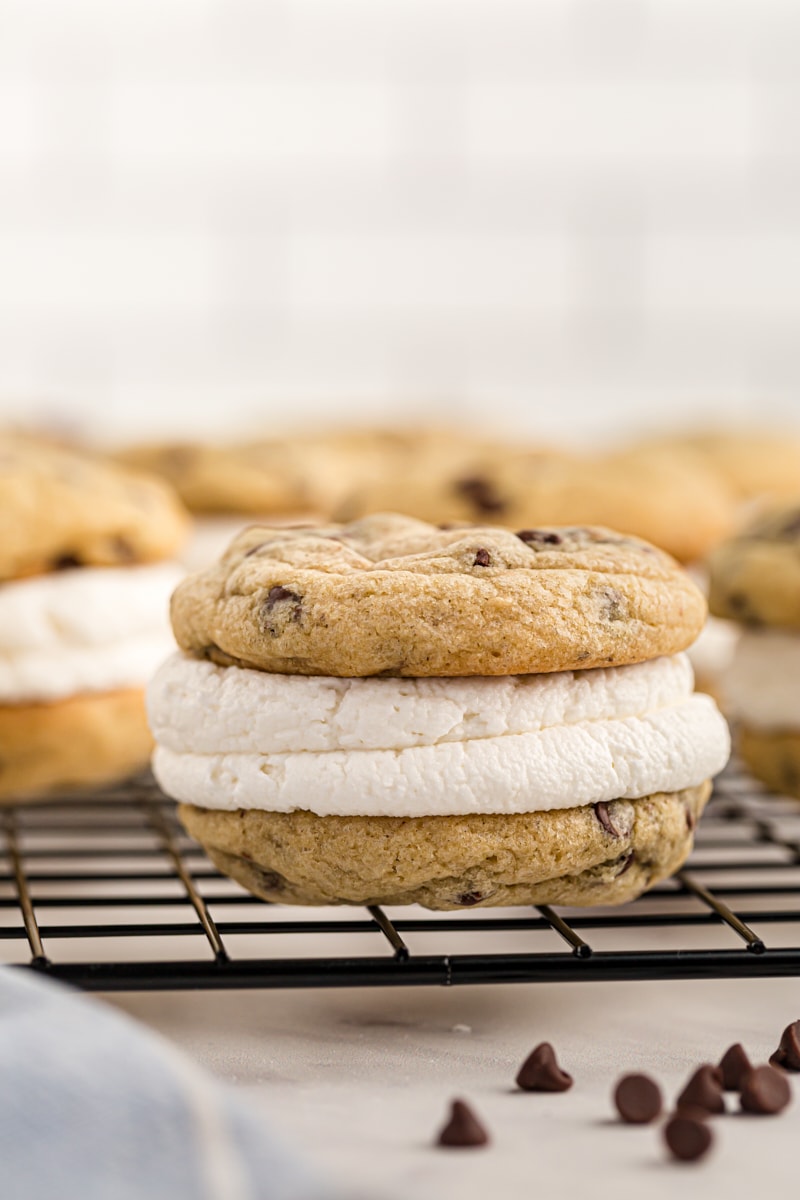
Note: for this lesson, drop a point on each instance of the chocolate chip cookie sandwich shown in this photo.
(84, 590)
(389, 712)
(755, 581)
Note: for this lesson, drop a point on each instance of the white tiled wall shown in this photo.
(573, 215)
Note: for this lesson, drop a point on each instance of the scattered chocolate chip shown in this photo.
(734, 1065)
(602, 814)
(482, 558)
(539, 537)
(463, 1128)
(638, 1099)
(482, 493)
(612, 604)
(282, 596)
(541, 1073)
(467, 899)
(704, 1090)
(765, 1091)
(688, 1138)
(788, 1053)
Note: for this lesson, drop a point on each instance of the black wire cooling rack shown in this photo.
(108, 893)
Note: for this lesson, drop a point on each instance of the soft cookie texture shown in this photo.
(85, 740)
(594, 854)
(60, 508)
(755, 577)
(390, 595)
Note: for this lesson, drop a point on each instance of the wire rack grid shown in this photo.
(107, 892)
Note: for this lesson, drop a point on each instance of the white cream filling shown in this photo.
(230, 738)
(83, 630)
(762, 683)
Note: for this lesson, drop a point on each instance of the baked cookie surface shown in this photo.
(595, 854)
(755, 577)
(61, 508)
(84, 740)
(389, 595)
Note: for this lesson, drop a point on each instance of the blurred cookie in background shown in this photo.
(298, 478)
(85, 580)
(678, 505)
(755, 581)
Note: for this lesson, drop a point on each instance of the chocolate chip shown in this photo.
(541, 1073)
(788, 1053)
(291, 604)
(463, 1128)
(65, 562)
(790, 527)
(627, 861)
(601, 812)
(122, 550)
(539, 537)
(482, 558)
(734, 1065)
(691, 820)
(467, 899)
(612, 604)
(704, 1090)
(482, 493)
(765, 1091)
(270, 881)
(687, 1137)
(638, 1099)
(738, 603)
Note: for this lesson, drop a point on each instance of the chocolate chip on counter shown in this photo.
(734, 1065)
(602, 814)
(765, 1091)
(541, 1073)
(687, 1136)
(482, 558)
(638, 1099)
(788, 1053)
(704, 1090)
(463, 1128)
(539, 537)
(482, 493)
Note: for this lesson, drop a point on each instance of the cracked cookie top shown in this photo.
(389, 595)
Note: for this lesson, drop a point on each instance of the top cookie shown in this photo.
(755, 577)
(672, 500)
(389, 595)
(61, 508)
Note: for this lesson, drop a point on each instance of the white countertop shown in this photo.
(360, 1080)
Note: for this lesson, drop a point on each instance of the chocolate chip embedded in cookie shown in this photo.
(389, 595)
(61, 509)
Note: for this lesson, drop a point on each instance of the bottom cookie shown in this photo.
(773, 757)
(85, 740)
(596, 854)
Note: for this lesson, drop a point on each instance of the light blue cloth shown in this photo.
(94, 1106)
